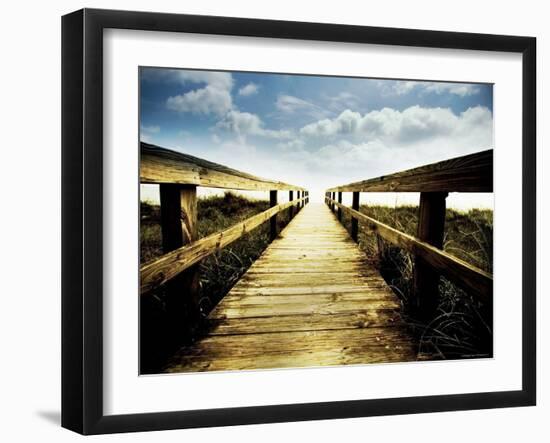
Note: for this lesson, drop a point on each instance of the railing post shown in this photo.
(333, 197)
(273, 220)
(431, 229)
(354, 221)
(291, 209)
(178, 205)
(299, 205)
(339, 208)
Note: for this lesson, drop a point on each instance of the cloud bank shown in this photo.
(249, 89)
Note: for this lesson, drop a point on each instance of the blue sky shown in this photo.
(313, 131)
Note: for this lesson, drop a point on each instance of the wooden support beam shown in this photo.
(431, 229)
(291, 211)
(339, 209)
(273, 221)
(178, 205)
(354, 221)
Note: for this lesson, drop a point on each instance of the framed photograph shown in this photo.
(269, 221)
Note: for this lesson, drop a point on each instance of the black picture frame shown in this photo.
(82, 218)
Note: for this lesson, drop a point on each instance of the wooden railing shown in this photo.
(178, 176)
(470, 173)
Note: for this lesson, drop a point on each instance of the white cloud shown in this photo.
(402, 87)
(214, 98)
(291, 104)
(387, 141)
(245, 123)
(208, 100)
(350, 152)
(249, 89)
(403, 127)
(460, 89)
(222, 80)
(346, 123)
(342, 100)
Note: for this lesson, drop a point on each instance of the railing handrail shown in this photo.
(161, 165)
(158, 271)
(465, 275)
(469, 173)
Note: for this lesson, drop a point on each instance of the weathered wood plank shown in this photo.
(370, 294)
(470, 173)
(322, 289)
(295, 349)
(312, 322)
(311, 268)
(160, 165)
(302, 308)
(304, 279)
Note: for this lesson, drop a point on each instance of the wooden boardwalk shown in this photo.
(311, 299)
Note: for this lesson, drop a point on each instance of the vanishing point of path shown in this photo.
(311, 299)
